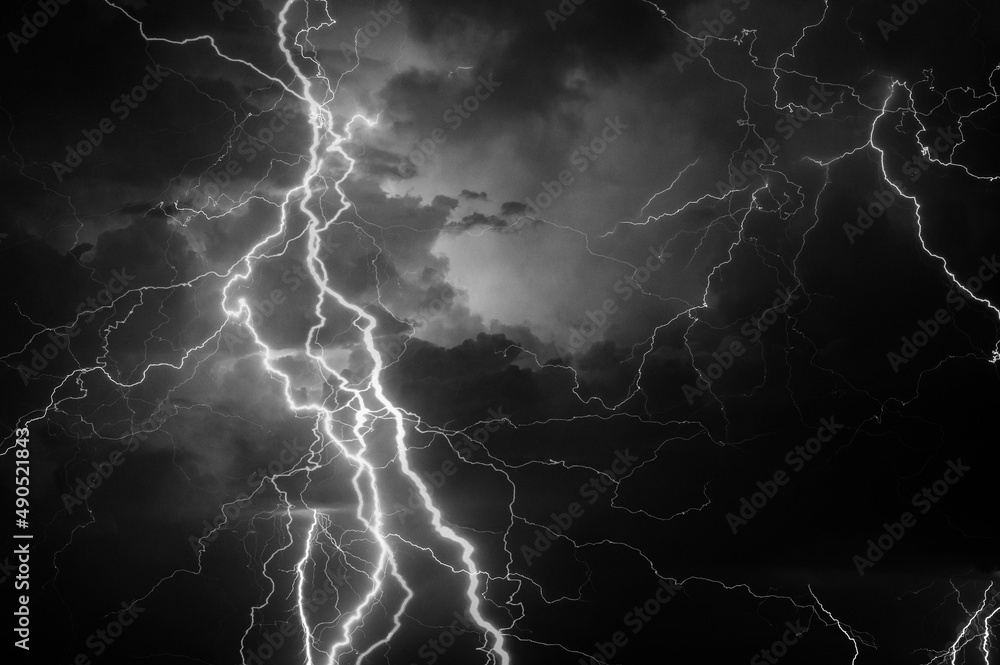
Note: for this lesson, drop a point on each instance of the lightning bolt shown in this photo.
(360, 438)
(368, 397)
(976, 629)
(355, 420)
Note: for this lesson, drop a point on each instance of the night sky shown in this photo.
(500, 331)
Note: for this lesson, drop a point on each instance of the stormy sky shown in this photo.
(440, 331)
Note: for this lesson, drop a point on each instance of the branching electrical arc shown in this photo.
(354, 419)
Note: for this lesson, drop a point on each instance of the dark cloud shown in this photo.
(478, 220)
(512, 208)
(604, 328)
(446, 202)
